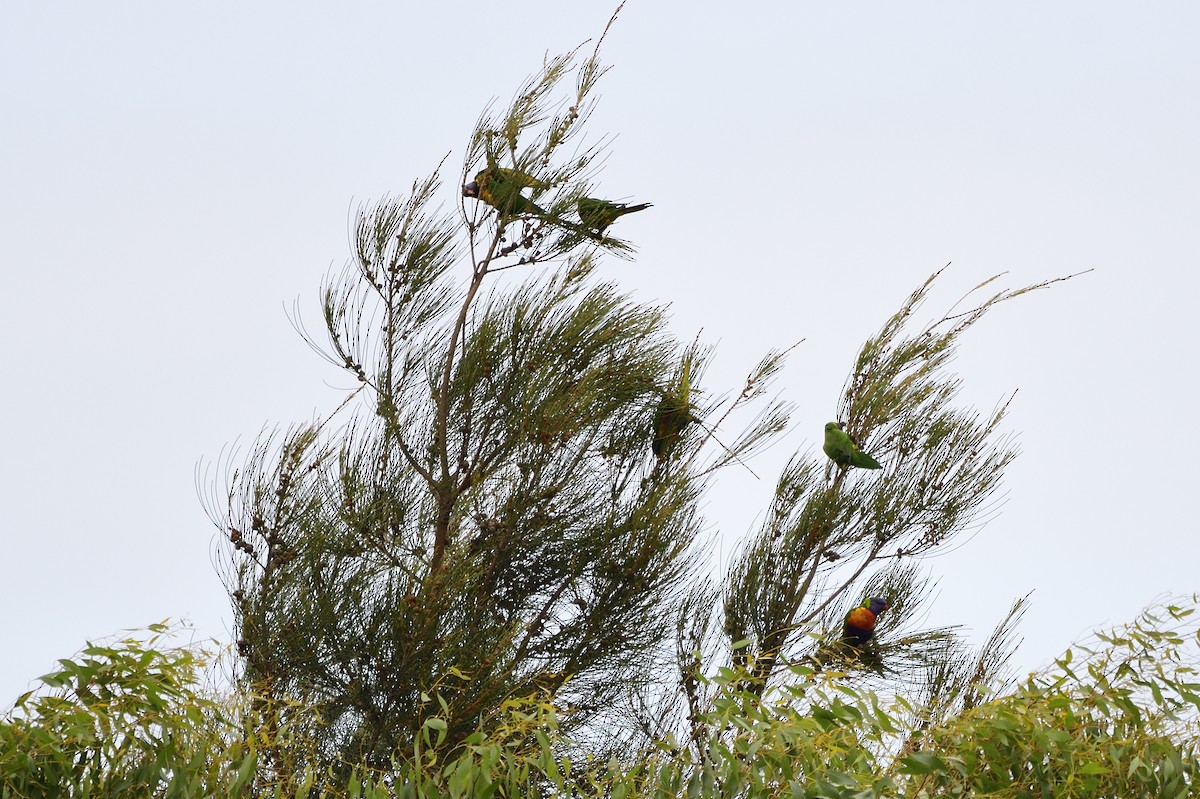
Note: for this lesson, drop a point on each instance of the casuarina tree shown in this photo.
(508, 504)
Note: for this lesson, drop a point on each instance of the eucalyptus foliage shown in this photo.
(1118, 715)
(125, 718)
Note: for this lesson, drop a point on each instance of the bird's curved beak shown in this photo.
(471, 189)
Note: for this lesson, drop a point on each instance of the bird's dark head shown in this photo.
(877, 605)
(471, 189)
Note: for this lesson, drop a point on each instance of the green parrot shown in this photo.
(841, 449)
(673, 415)
(501, 188)
(596, 215)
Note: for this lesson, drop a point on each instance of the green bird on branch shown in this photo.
(842, 450)
(501, 188)
(596, 215)
(673, 415)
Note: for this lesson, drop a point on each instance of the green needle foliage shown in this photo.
(492, 521)
(488, 563)
(834, 535)
(484, 574)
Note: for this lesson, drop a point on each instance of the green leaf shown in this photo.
(923, 763)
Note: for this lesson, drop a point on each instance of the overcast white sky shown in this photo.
(172, 175)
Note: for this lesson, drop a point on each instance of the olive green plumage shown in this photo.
(501, 188)
(596, 215)
(673, 415)
(842, 450)
(670, 420)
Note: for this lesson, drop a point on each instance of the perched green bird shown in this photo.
(596, 215)
(841, 449)
(859, 626)
(673, 415)
(501, 188)
(670, 420)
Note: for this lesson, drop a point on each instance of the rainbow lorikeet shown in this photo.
(501, 188)
(859, 625)
(596, 215)
(842, 450)
(673, 415)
